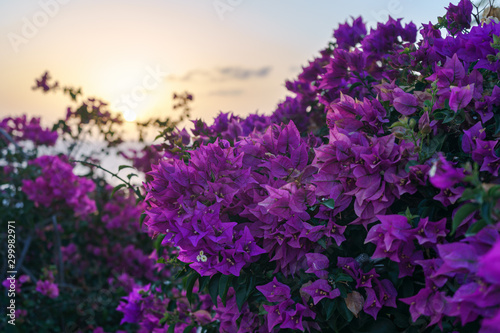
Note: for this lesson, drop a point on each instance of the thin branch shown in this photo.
(129, 185)
(26, 246)
(9, 138)
(58, 253)
(30, 274)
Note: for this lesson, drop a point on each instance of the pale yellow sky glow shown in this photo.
(135, 54)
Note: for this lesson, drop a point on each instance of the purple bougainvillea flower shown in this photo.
(457, 68)
(428, 232)
(491, 325)
(273, 317)
(246, 245)
(418, 303)
(318, 263)
(391, 230)
(349, 265)
(132, 309)
(293, 319)
(372, 304)
(443, 175)
(471, 135)
(231, 263)
(430, 303)
(489, 265)
(484, 154)
(449, 196)
(458, 258)
(58, 184)
(459, 16)
(275, 291)
(460, 97)
(386, 293)
(424, 124)
(347, 35)
(407, 257)
(336, 232)
(47, 288)
(18, 282)
(405, 103)
(320, 289)
(312, 233)
(365, 279)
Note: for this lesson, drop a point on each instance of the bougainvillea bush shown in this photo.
(369, 202)
(78, 243)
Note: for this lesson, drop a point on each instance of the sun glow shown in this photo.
(129, 115)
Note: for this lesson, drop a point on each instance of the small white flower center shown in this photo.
(201, 257)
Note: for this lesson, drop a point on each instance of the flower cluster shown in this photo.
(58, 185)
(372, 188)
(47, 286)
(22, 129)
(143, 308)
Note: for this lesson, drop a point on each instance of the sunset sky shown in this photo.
(233, 55)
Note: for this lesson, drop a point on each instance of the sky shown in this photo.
(232, 55)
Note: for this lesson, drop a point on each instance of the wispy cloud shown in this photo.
(224, 74)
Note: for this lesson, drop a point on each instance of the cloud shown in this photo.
(222, 92)
(224, 74)
(189, 76)
(239, 73)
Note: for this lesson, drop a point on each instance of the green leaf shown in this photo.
(329, 308)
(355, 85)
(322, 242)
(434, 145)
(461, 214)
(251, 285)
(171, 328)
(472, 194)
(213, 288)
(130, 175)
(191, 280)
(497, 124)
(344, 311)
(158, 241)
(183, 272)
(343, 278)
(241, 295)
(449, 117)
(161, 260)
(203, 282)
(121, 167)
(143, 216)
(382, 325)
(164, 319)
(485, 212)
(116, 188)
(224, 284)
(475, 228)
(330, 203)
(172, 305)
(189, 328)
(494, 192)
